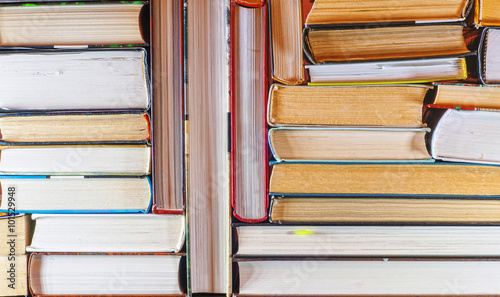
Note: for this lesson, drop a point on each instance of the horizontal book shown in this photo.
(94, 23)
(437, 179)
(357, 143)
(74, 79)
(387, 210)
(399, 105)
(387, 42)
(402, 71)
(76, 159)
(466, 96)
(75, 194)
(15, 233)
(249, 94)
(486, 13)
(110, 233)
(489, 57)
(467, 136)
(63, 274)
(13, 271)
(367, 241)
(286, 41)
(326, 12)
(369, 277)
(67, 127)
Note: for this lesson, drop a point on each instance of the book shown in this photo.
(110, 233)
(65, 127)
(489, 59)
(399, 105)
(286, 41)
(369, 277)
(486, 13)
(325, 12)
(367, 241)
(39, 194)
(437, 179)
(389, 72)
(15, 234)
(99, 79)
(76, 159)
(167, 108)
(356, 143)
(208, 168)
(94, 23)
(388, 209)
(466, 136)
(85, 275)
(249, 94)
(466, 96)
(385, 42)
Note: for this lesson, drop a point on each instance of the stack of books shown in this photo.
(383, 176)
(76, 150)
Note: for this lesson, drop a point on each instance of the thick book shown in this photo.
(369, 277)
(66, 127)
(75, 159)
(98, 79)
(348, 144)
(110, 233)
(398, 105)
(326, 12)
(167, 107)
(384, 42)
(249, 82)
(465, 96)
(208, 145)
(411, 179)
(101, 274)
(91, 23)
(466, 136)
(39, 194)
(286, 41)
(387, 72)
(367, 241)
(385, 209)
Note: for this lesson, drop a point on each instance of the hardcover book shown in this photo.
(98, 79)
(75, 194)
(384, 42)
(100, 274)
(93, 23)
(326, 12)
(123, 233)
(348, 144)
(399, 105)
(249, 82)
(387, 277)
(167, 107)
